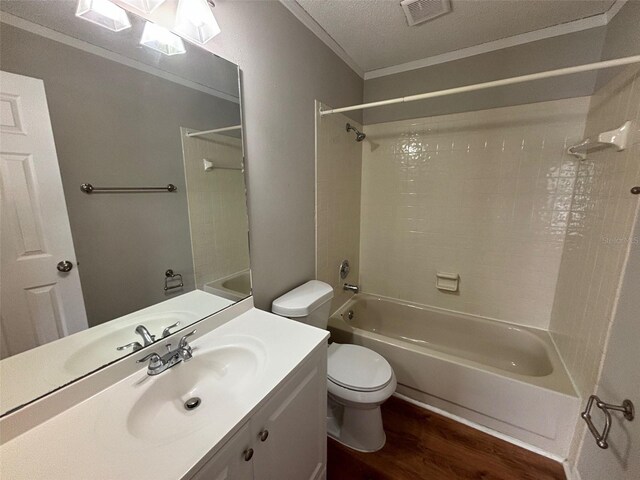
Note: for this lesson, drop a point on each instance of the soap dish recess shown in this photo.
(448, 282)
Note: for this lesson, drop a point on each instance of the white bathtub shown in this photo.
(234, 287)
(504, 376)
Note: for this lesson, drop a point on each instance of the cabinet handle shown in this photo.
(248, 454)
(263, 435)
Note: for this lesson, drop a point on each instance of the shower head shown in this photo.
(359, 135)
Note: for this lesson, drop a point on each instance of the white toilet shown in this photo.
(358, 379)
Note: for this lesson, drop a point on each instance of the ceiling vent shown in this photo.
(419, 11)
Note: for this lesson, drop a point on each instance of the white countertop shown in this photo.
(57, 363)
(93, 439)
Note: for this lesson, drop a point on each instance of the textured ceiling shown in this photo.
(374, 33)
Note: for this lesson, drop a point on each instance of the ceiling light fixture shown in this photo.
(147, 6)
(195, 21)
(162, 40)
(103, 13)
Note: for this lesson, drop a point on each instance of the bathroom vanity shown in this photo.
(250, 403)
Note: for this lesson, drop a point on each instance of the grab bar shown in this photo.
(89, 188)
(601, 438)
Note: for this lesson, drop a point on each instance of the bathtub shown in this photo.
(504, 376)
(234, 287)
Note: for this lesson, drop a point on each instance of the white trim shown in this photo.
(594, 21)
(615, 8)
(308, 21)
(571, 472)
(549, 32)
(481, 428)
(45, 32)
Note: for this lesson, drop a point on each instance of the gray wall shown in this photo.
(285, 68)
(622, 39)
(114, 125)
(557, 52)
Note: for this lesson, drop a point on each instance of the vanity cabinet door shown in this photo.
(289, 432)
(232, 462)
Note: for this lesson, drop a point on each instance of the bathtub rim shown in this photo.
(422, 306)
(559, 381)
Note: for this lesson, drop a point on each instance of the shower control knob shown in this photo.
(64, 266)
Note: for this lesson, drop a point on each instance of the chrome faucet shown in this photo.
(158, 363)
(146, 336)
(351, 288)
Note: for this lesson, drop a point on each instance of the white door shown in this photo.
(38, 303)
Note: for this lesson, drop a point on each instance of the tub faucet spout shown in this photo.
(351, 288)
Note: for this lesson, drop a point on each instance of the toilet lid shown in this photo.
(357, 368)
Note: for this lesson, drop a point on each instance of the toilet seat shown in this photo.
(357, 368)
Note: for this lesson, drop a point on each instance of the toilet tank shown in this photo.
(309, 303)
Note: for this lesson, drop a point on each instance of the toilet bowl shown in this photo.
(359, 380)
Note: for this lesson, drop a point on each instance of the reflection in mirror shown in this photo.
(123, 197)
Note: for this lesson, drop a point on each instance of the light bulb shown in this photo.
(147, 6)
(195, 21)
(103, 13)
(162, 40)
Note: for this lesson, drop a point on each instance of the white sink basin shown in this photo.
(102, 349)
(216, 375)
(140, 420)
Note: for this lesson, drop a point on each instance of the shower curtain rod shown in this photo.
(496, 83)
(216, 130)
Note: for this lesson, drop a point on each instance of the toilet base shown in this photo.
(357, 427)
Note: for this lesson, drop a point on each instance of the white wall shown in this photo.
(483, 194)
(338, 172)
(285, 68)
(217, 206)
(600, 222)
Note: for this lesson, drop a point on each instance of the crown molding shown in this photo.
(308, 21)
(594, 21)
(549, 32)
(615, 8)
(59, 37)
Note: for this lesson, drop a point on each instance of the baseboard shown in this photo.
(570, 472)
(488, 431)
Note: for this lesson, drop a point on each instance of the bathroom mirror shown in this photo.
(123, 195)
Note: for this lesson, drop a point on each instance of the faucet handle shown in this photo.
(183, 341)
(167, 331)
(155, 362)
(135, 345)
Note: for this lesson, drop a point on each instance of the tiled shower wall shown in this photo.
(338, 171)
(600, 224)
(483, 194)
(217, 207)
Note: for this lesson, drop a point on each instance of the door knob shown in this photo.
(64, 266)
